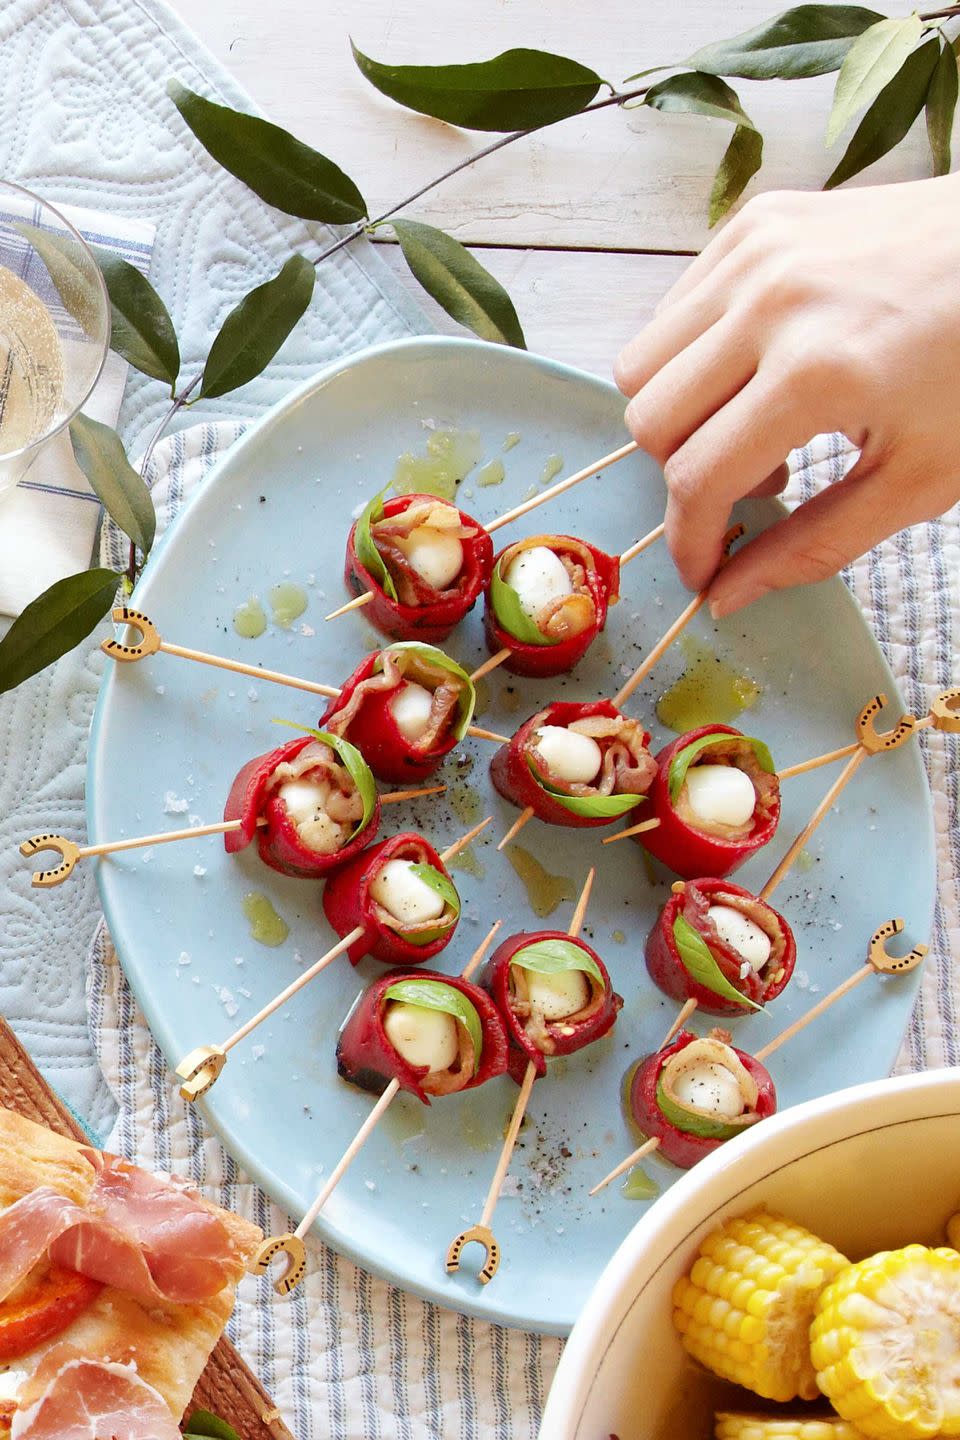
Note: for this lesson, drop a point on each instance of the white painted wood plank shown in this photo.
(612, 180)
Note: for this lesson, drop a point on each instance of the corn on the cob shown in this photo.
(736, 1425)
(886, 1344)
(744, 1310)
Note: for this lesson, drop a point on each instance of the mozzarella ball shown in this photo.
(11, 1383)
(742, 934)
(557, 996)
(570, 755)
(304, 799)
(410, 708)
(710, 1087)
(436, 557)
(420, 1036)
(720, 794)
(538, 576)
(407, 897)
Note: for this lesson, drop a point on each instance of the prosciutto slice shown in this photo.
(78, 1399)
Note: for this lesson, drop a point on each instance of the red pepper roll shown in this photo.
(554, 994)
(718, 944)
(696, 1093)
(543, 769)
(405, 708)
(403, 896)
(428, 1017)
(554, 604)
(424, 562)
(717, 798)
(312, 805)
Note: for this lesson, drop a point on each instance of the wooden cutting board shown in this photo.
(227, 1387)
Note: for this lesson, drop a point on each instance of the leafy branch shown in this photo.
(889, 69)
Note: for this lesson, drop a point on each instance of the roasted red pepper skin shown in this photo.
(676, 1145)
(347, 902)
(686, 851)
(511, 774)
(366, 1058)
(495, 978)
(603, 585)
(278, 844)
(377, 735)
(442, 610)
(668, 972)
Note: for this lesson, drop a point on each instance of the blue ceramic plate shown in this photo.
(169, 737)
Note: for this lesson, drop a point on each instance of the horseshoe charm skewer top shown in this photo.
(875, 742)
(68, 851)
(296, 1267)
(945, 711)
(886, 964)
(149, 643)
(482, 1235)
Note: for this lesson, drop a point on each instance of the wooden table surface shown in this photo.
(586, 223)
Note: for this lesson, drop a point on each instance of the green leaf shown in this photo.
(142, 331)
(54, 623)
(100, 454)
(511, 615)
(367, 552)
(254, 331)
(554, 957)
(683, 758)
(806, 40)
(203, 1425)
(458, 282)
(741, 161)
(445, 888)
(941, 107)
(593, 807)
(434, 995)
(695, 94)
(890, 116)
(690, 1124)
(873, 59)
(430, 655)
(76, 280)
(276, 166)
(518, 90)
(353, 762)
(698, 961)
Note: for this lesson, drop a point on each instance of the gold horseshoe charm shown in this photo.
(886, 964)
(867, 733)
(69, 855)
(150, 636)
(294, 1270)
(484, 1236)
(945, 711)
(735, 533)
(200, 1071)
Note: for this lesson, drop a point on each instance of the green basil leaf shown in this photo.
(457, 281)
(511, 615)
(141, 329)
(872, 60)
(690, 1124)
(367, 552)
(554, 957)
(699, 963)
(254, 331)
(890, 116)
(695, 94)
(441, 884)
(941, 108)
(203, 1425)
(100, 454)
(54, 623)
(518, 90)
(276, 166)
(741, 161)
(683, 758)
(353, 762)
(466, 704)
(75, 279)
(806, 40)
(434, 995)
(593, 807)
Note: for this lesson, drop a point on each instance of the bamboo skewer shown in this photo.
(355, 604)
(842, 780)
(491, 663)
(638, 829)
(878, 962)
(292, 1244)
(525, 816)
(481, 1232)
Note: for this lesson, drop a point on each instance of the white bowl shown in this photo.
(868, 1168)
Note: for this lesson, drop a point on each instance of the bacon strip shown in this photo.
(78, 1399)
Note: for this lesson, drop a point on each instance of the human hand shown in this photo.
(808, 313)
